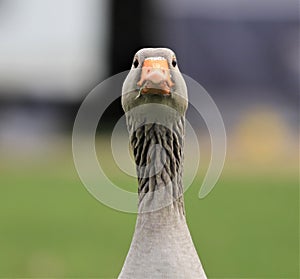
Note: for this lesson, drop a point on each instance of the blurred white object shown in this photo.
(52, 48)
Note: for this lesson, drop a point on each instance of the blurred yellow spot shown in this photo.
(261, 136)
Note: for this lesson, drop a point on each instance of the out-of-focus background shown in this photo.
(53, 52)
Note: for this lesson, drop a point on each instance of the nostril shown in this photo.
(148, 71)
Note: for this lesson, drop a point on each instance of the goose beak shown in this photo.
(155, 77)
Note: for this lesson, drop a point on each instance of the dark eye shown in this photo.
(174, 62)
(135, 63)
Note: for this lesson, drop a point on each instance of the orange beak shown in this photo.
(155, 77)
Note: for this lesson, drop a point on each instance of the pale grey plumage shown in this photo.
(161, 246)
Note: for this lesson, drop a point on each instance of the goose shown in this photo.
(154, 99)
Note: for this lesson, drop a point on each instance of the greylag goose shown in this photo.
(154, 98)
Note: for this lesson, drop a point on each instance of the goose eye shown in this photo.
(174, 63)
(136, 63)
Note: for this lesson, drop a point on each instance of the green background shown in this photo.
(50, 226)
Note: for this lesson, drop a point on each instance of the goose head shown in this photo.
(155, 78)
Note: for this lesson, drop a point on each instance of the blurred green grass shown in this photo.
(50, 226)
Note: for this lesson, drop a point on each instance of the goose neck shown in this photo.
(158, 154)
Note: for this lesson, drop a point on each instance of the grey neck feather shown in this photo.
(158, 154)
(161, 246)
